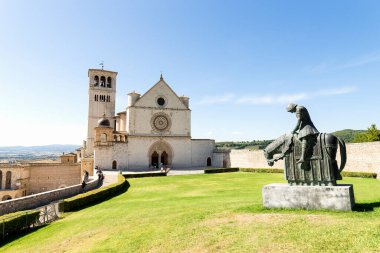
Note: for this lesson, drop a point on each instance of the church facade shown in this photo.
(153, 131)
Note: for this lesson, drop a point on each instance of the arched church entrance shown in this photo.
(164, 158)
(154, 160)
(208, 161)
(160, 153)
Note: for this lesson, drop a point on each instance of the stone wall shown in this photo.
(201, 149)
(44, 198)
(87, 164)
(50, 176)
(251, 159)
(364, 157)
(361, 157)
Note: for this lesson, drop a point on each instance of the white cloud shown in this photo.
(337, 91)
(275, 99)
(356, 62)
(271, 99)
(363, 60)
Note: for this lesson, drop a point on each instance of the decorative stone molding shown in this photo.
(160, 122)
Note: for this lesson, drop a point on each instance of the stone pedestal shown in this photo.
(340, 197)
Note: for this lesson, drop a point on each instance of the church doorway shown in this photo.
(164, 158)
(154, 159)
(208, 161)
(159, 154)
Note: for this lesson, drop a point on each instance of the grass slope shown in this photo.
(209, 213)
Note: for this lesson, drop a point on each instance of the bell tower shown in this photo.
(101, 102)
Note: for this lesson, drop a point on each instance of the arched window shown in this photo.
(102, 81)
(208, 161)
(109, 82)
(96, 81)
(1, 179)
(103, 138)
(6, 197)
(8, 180)
(114, 165)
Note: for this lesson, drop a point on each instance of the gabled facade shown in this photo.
(153, 131)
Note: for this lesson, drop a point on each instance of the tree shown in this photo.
(372, 134)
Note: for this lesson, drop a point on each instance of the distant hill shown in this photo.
(32, 153)
(348, 135)
(252, 145)
(50, 148)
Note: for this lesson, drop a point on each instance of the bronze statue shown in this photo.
(307, 133)
(310, 156)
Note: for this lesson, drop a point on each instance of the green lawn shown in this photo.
(209, 213)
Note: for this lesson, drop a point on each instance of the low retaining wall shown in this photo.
(43, 198)
(361, 157)
(244, 158)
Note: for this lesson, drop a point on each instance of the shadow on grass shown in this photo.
(366, 207)
(16, 235)
(359, 207)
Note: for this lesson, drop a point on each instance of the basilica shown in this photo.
(153, 131)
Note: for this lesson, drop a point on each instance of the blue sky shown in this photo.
(240, 62)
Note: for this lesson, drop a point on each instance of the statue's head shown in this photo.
(291, 107)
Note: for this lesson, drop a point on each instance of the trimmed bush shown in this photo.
(344, 173)
(358, 174)
(263, 170)
(221, 170)
(149, 174)
(95, 196)
(18, 221)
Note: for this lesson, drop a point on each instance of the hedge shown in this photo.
(221, 170)
(95, 196)
(343, 173)
(358, 174)
(18, 221)
(257, 170)
(148, 174)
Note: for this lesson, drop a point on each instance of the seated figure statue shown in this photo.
(307, 132)
(310, 156)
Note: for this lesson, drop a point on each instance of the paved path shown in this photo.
(110, 177)
(184, 172)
